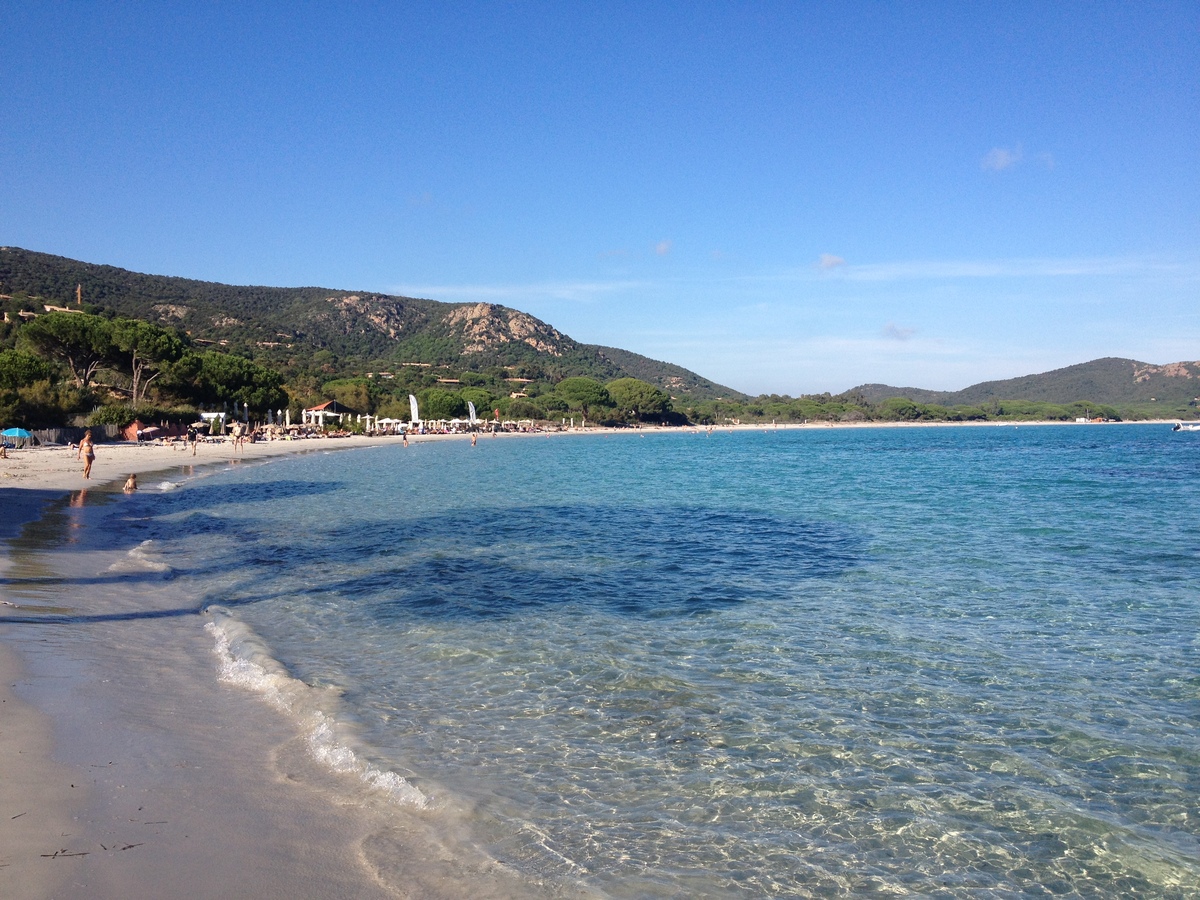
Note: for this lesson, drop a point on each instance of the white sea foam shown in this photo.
(246, 661)
(145, 557)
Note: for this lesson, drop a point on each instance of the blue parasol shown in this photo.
(16, 432)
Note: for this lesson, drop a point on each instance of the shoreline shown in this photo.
(64, 818)
(54, 470)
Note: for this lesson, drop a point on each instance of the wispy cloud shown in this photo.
(828, 261)
(894, 332)
(662, 248)
(575, 291)
(916, 270)
(1000, 158)
(585, 290)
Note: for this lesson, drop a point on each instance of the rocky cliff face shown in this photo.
(168, 311)
(485, 326)
(374, 312)
(481, 326)
(1142, 373)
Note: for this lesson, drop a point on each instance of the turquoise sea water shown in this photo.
(948, 662)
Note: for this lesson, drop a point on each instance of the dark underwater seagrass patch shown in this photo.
(639, 561)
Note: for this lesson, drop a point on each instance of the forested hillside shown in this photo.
(81, 342)
(350, 332)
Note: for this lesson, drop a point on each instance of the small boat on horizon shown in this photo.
(1190, 426)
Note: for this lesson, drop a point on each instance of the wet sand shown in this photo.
(120, 778)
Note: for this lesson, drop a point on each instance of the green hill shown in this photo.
(1111, 381)
(352, 332)
(342, 332)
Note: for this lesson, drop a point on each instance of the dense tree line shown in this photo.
(59, 367)
(498, 391)
(319, 332)
(81, 366)
(62, 366)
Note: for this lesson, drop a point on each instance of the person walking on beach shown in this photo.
(193, 437)
(87, 452)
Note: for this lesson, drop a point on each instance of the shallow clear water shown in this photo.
(951, 661)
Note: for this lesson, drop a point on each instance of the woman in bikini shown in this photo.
(87, 452)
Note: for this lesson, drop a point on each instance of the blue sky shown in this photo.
(784, 197)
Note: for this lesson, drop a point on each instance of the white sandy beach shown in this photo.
(75, 758)
(58, 468)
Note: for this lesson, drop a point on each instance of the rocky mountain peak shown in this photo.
(484, 326)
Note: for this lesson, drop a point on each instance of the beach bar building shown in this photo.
(330, 409)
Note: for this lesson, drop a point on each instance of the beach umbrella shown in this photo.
(17, 434)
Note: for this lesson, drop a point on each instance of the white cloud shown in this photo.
(829, 261)
(662, 248)
(917, 270)
(747, 288)
(894, 332)
(1000, 158)
(579, 291)
(1127, 267)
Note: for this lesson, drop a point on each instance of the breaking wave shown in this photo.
(246, 661)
